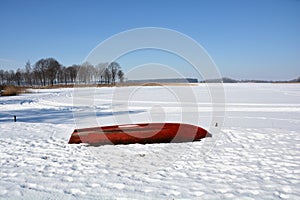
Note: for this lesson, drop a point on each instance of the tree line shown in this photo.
(48, 71)
(230, 80)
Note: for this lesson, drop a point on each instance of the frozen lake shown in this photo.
(256, 156)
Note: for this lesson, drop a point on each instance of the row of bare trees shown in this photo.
(49, 71)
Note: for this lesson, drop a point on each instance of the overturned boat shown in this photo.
(139, 133)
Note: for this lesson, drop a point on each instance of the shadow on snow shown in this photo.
(56, 116)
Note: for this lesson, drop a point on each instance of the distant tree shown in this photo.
(6, 77)
(91, 73)
(72, 71)
(107, 76)
(18, 77)
(121, 76)
(28, 73)
(113, 67)
(83, 73)
(2, 76)
(86, 73)
(46, 70)
(40, 68)
(12, 77)
(36, 80)
(67, 75)
(100, 69)
(63, 75)
(49, 71)
(52, 68)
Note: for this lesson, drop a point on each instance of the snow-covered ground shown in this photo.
(257, 155)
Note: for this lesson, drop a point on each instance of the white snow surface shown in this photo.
(257, 155)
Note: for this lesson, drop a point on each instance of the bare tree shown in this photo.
(73, 70)
(86, 73)
(49, 70)
(121, 76)
(6, 77)
(66, 75)
(113, 67)
(46, 70)
(12, 77)
(82, 74)
(52, 68)
(18, 77)
(28, 73)
(63, 75)
(107, 76)
(100, 69)
(40, 68)
(91, 71)
(2, 76)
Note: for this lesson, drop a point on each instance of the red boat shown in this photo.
(139, 133)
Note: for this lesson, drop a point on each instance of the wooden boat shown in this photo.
(139, 133)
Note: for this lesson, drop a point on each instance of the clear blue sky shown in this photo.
(255, 39)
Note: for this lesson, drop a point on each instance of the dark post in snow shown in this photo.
(15, 118)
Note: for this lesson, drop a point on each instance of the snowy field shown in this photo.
(257, 155)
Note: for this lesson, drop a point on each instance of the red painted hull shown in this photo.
(138, 133)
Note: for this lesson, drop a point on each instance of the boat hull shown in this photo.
(138, 133)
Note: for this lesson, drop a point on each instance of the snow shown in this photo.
(257, 155)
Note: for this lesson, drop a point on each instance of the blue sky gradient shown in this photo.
(247, 39)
